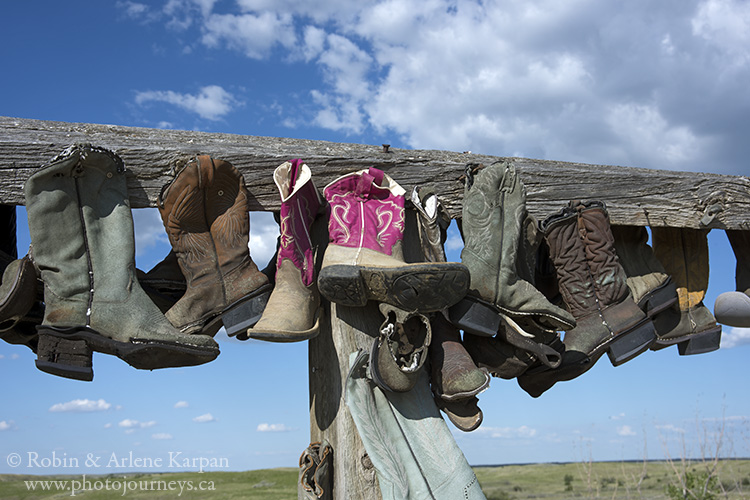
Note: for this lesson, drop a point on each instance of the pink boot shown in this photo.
(364, 259)
(292, 312)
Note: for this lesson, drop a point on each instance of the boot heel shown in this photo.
(244, 315)
(627, 346)
(343, 285)
(64, 357)
(659, 300)
(702, 343)
(474, 316)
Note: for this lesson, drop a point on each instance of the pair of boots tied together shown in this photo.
(83, 246)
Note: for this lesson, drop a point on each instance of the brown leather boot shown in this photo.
(689, 324)
(204, 209)
(594, 288)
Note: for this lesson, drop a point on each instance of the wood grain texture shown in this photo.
(634, 196)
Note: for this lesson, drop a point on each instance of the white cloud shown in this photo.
(81, 405)
(149, 229)
(108, 425)
(726, 24)
(135, 424)
(507, 432)
(212, 102)
(670, 428)
(181, 404)
(205, 418)
(264, 427)
(263, 234)
(161, 436)
(617, 417)
(735, 337)
(252, 34)
(629, 83)
(625, 430)
(4, 426)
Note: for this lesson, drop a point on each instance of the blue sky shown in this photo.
(643, 84)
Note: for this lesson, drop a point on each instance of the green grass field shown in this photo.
(608, 480)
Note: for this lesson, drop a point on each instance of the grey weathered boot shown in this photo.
(733, 308)
(684, 254)
(414, 454)
(293, 311)
(83, 245)
(494, 212)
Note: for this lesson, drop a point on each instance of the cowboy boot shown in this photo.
(20, 309)
(508, 355)
(295, 289)
(400, 351)
(594, 288)
(364, 259)
(494, 212)
(164, 283)
(19, 287)
(652, 288)
(409, 444)
(733, 308)
(455, 379)
(204, 209)
(316, 472)
(684, 254)
(454, 374)
(82, 236)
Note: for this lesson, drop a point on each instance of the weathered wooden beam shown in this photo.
(634, 196)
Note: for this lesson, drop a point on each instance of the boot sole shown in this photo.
(283, 335)
(625, 347)
(142, 354)
(659, 299)
(414, 287)
(475, 316)
(697, 343)
(246, 312)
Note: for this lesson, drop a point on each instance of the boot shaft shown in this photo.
(367, 211)
(610, 281)
(77, 203)
(568, 255)
(226, 212)
(740, 241)
(182, 206)
(8, 250)
(491, 199)
(432, 223)
(684, 254)
(300, 205)
(647, 279)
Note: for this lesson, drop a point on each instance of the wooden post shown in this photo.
(633, 196)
